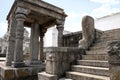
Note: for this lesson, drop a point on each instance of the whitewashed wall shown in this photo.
(108, 22)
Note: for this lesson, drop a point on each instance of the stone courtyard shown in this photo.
(90, 54)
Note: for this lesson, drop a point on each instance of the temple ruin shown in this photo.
(90, 54)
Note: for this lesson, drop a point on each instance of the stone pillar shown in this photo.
(114, 59)
(18, 53)
(88, 32)
(60, 28)
(11, 42)
(42, 33)
(34, 43)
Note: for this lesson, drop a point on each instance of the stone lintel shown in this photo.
(46, 76)
(38, 7)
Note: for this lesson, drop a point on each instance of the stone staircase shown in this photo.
(94, 64)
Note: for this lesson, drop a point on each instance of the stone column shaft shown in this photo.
(42, 32)
(34, 43)
(11, 42)
(60, 29)
(18, 54)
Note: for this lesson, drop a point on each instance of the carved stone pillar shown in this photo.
(18, 54)
(34, 43)
(42, 33)
(88, 32)
(11, 42)
(60, 28)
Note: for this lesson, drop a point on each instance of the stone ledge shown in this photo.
(46, 76)
(9, 73)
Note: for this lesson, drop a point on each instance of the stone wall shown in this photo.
(72, 39)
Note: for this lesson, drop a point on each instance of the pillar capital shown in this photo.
(20, 16)
(42, 31)
(21, 10)
(60, 28)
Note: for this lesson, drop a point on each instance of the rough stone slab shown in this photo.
(96, 63)
(65, 79)
(46, 76)
(91, 70)
(9, 73)
(84, 76)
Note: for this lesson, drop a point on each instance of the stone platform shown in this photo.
(10, 73)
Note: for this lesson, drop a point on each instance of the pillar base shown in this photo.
(18, 64)
(8, 63)
(46, 76)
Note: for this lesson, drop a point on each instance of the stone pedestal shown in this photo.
(45, 76)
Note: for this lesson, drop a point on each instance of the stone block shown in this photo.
(8, 74)
(23, 72)
(46, 76)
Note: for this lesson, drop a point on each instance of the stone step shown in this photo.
(111, 36)
(103, 51)
(91, 70)
(95, 57)
(113, 31)
(84, 76)
(65, 79)
(107, 39)
(95, 63)
(99, 45)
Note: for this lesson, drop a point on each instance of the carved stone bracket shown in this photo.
(22, 11)
(114, 52)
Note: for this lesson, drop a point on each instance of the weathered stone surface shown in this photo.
(34, 45)
(60, 28)
(114, 59)
(88, 32)
(114, 52)
(58, 60)
(11, 42)
(42, 34)
(72, 39)
(46, 76)
(9, 73)
(18, 53)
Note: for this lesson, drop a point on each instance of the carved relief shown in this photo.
(114, 52)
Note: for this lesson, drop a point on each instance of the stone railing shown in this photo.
(114, 59)
(72, 39)
(59, 60)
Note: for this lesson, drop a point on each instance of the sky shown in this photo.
(75, 9)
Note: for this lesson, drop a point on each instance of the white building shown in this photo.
(51, 35)
(108, 22)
